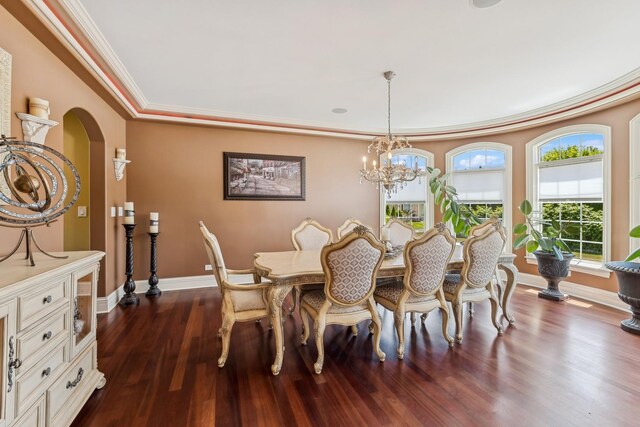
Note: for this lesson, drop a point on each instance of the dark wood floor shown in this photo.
(561, 364)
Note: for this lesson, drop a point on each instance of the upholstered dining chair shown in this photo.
(308, 235)
(244, 297)
(348, 225)
(480, 253)
(399, 232)
(350, 266)
(425, 260)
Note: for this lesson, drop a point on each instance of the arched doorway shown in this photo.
(83, 144)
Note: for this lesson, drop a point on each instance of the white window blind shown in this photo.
(575, 181)
(479, 185)
(414, 191)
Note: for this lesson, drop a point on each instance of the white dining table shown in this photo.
(298, 268)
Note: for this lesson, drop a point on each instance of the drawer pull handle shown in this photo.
(75, 382)
(47, 300)
(46, 372)
(13, 364)
(46, 336)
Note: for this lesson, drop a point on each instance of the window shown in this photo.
(568, 180)
(411, 204)
(481, 174)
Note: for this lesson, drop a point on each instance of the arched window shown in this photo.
(634, 175)
(413, 203)
(568, 181)
(481, 174)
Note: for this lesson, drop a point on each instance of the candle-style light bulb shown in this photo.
(364, 162)
(374, 164)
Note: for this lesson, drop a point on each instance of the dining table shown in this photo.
(287, 269)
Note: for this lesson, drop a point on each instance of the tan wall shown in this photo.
(38, 72)
(176, 170)
(77, 230)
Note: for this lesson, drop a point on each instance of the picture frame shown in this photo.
(5, 108)
(250, 176)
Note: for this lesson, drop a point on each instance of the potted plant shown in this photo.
(544, 240)
(628, 274)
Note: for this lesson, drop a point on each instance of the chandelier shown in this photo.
(388, 174)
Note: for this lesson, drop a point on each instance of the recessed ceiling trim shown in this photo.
(121, 85)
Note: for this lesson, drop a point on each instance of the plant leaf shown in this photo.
(521, 241)
(555, 225)
(532, 245)
(558, 253)
(519, 228)
(455, 208)
(635, 232)
(563, 246)
(447, 215)
(633, 255)
(526, 208)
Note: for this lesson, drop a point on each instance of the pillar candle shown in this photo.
(154, 223)
(121, 153)
(386, 234)
(129, 213)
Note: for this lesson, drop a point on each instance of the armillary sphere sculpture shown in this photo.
(33, 189)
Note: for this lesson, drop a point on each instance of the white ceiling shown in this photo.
(293, 61)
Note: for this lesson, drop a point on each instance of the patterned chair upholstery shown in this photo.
(244, 297)
(426, 260)
(480, 253)
(348, 225)
(399, 232)
(350, 266)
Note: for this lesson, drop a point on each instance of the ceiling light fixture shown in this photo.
(388, 174)
(483, 4)
(339, 110)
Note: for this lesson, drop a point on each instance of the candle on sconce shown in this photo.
(374, 164)
(364, 162)
(386, 234)
(121, 153)
(129, 213)
(154, 223)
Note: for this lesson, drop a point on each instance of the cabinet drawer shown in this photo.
(62, 392)
(31, 384)
(42, 339)
(33, 417)
(36, 306)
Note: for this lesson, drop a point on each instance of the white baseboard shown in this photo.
(106, 304)
(587, 293)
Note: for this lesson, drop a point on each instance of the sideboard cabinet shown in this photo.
(48, 342)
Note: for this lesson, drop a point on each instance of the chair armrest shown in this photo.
(247, 286)
(256, 278)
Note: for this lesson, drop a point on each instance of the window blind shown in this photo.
(486, 186)
(571, 182)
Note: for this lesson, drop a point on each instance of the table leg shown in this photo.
(512, 280)
(277, 294)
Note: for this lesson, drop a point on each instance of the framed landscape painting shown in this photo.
(263, 177)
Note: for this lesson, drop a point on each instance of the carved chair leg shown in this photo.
(305, 325)
(471, 310)
(377, 329)
(354, 330)
(398, 320)
(423, 317)
(295, 293)
(457, 311)
(371, 327)
(494, 309)
(319, 325)
(413, 319)
(227, 325)
(445, 324)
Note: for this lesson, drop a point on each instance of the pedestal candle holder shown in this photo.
(129, 296)
(153, 290)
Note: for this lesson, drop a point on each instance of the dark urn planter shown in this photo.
(628, 274)
(554, 271)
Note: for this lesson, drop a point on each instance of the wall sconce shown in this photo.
(35, 128)
(119, 162)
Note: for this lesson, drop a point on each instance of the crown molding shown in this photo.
(122, 86)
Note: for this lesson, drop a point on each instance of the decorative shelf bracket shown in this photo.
(118, 165)
(35, 128)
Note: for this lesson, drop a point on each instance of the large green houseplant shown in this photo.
(544, 240)
(628, 274)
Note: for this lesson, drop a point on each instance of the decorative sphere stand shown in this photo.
(129, 296)
(153, 290)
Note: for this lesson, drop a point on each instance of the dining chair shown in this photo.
(244, 296)
(350, 267)
(480, 253)
(399, 232)
(348, 225)
(308, 235)
(425, 260)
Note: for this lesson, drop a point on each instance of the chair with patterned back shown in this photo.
(310, 235)
(244, 297)
(348, 225)
(399, 232)
(426, 260)
(481, 252)
(350, 266)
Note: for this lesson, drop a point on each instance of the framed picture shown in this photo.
(263, 177)
(5, 109)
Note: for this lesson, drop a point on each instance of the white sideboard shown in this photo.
(48, 342)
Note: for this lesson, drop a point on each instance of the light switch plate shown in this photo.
(207, 267)
(120, 211)
(113, 211)
(82, 211)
